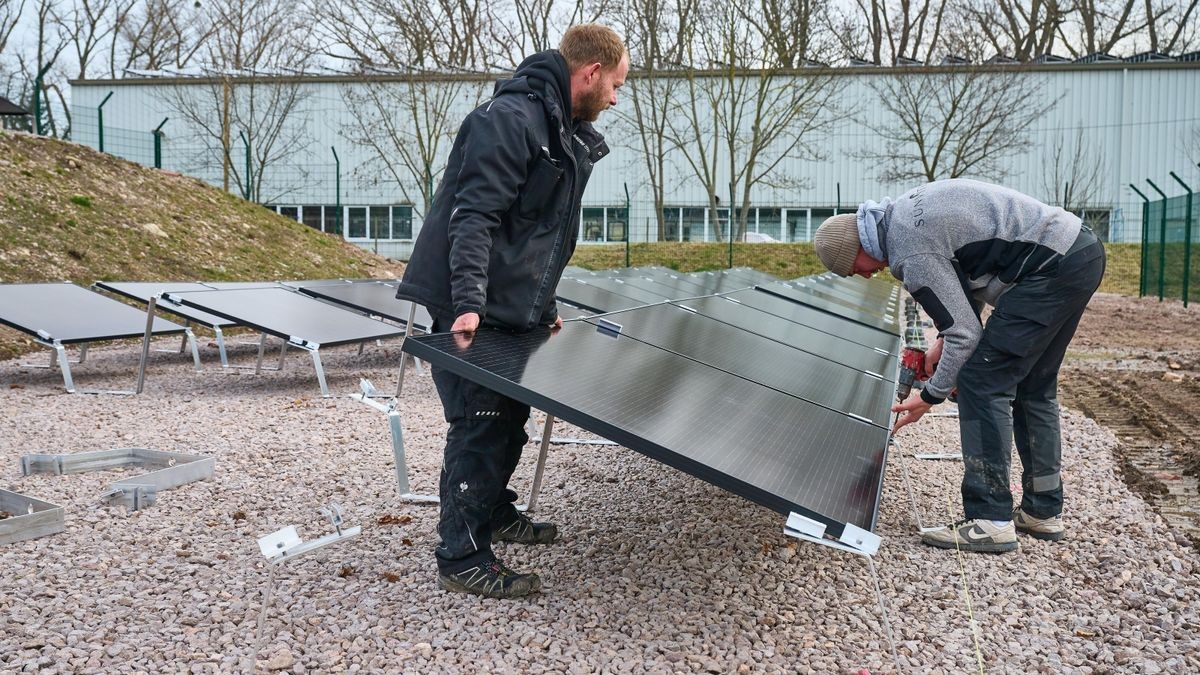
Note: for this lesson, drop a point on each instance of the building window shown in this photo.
(603, 223)
(311, 216)
(292, 212)
(591, 225)
(331, 222)
(402, 222)
(356, 222)
(671, 223)
(1100, 220)
(617, 223)
(692, 223)
(815, 218)
(381, 222)
(770, 223)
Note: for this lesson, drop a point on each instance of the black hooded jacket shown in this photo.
(505, 218)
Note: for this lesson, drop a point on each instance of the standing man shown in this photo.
(956, 244)
(501, 229)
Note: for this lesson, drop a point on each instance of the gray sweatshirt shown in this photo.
(955, 243)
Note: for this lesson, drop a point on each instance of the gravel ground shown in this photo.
(656, 571)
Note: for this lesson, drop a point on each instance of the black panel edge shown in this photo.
(166, 308)
(652, 450)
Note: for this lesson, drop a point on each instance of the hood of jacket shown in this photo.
(542, 73)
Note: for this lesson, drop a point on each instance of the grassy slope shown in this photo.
(69, 213)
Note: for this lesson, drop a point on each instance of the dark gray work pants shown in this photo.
(1009, 388)
(483, 447)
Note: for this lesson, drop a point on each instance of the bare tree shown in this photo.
(947, 123)
(1023, 29)
(884, 32)
(656, 32)
(407, 118)
(10, 16)
(37, 88)
(1098, 26)
(741, 119)
(91, 24)
(1170, 25)
(1075, 171)
(163, 34)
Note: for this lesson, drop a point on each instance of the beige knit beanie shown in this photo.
(837, 243)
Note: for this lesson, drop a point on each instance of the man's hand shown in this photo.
(557, 323)
(911, 410)
(934, 355)
(464, 329)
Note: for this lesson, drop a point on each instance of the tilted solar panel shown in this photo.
(817, 319)
(868, 317)
(372, 298)
(773, 448)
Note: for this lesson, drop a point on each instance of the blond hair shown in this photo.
(588, 43)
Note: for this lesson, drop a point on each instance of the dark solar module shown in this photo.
(376, 299)
(674, 289)
(874, 319)
(830, 346)
(817, 320)
(760, 359)
(847, 295)
(239, 285)
(287, 314)
(767, 446)
(620, 287)
(142, 291)
(593, 298)
(70, 314)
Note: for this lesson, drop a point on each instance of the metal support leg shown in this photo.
(403, 488)
(853, 540)
(65, 364)
(221, 346)
(912, 496)
(408, 327)
(150, 307)
(282, 353)
(360, 347)
(184, 342)
(83, 351)
(316, 357)
(190, 338)
(262, 344)
(536, 488)
(566, 441)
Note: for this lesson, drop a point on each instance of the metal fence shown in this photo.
(1172, 245)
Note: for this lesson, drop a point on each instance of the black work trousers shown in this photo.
(1009, 388)
(483, 447)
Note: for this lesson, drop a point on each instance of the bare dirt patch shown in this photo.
(1135, 368)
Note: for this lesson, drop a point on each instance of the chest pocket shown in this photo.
(544, 180)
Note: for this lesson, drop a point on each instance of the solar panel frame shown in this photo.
(815, 318)
(881, 322)
(592, 298)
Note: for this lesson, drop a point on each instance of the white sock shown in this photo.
(1001, 523)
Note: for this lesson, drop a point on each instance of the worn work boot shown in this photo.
(1049, 529)
(490, 579)
(977, 535)
(523, 530)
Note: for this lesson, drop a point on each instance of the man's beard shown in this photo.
(590, 105)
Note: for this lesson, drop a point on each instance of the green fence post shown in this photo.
(337, 167)
(732, 215)
(158, 143)
(1145, 240)
(628, 222)
(100, 118)
(1187, 238)
(246, 189)
(1162, 244)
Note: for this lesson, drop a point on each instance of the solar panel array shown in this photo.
(776, 391)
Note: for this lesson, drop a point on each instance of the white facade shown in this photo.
(1142, 120)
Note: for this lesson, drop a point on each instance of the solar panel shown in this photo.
(830, 346)
(874, 319)
(817, 319)
(593, 298)
(754, 357)
(142, 291)
(72, 314)
(239, 285)
(287, 315)
(850, 296)
(773, 448)
(372, 298)
(620, 287)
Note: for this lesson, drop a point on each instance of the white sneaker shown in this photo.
(978, 535)
(1049, 529)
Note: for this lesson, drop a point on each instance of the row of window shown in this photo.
(604, 223)
(354, 222)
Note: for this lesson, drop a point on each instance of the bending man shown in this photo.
(956, 244)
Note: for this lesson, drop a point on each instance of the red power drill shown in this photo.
(912, 369)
